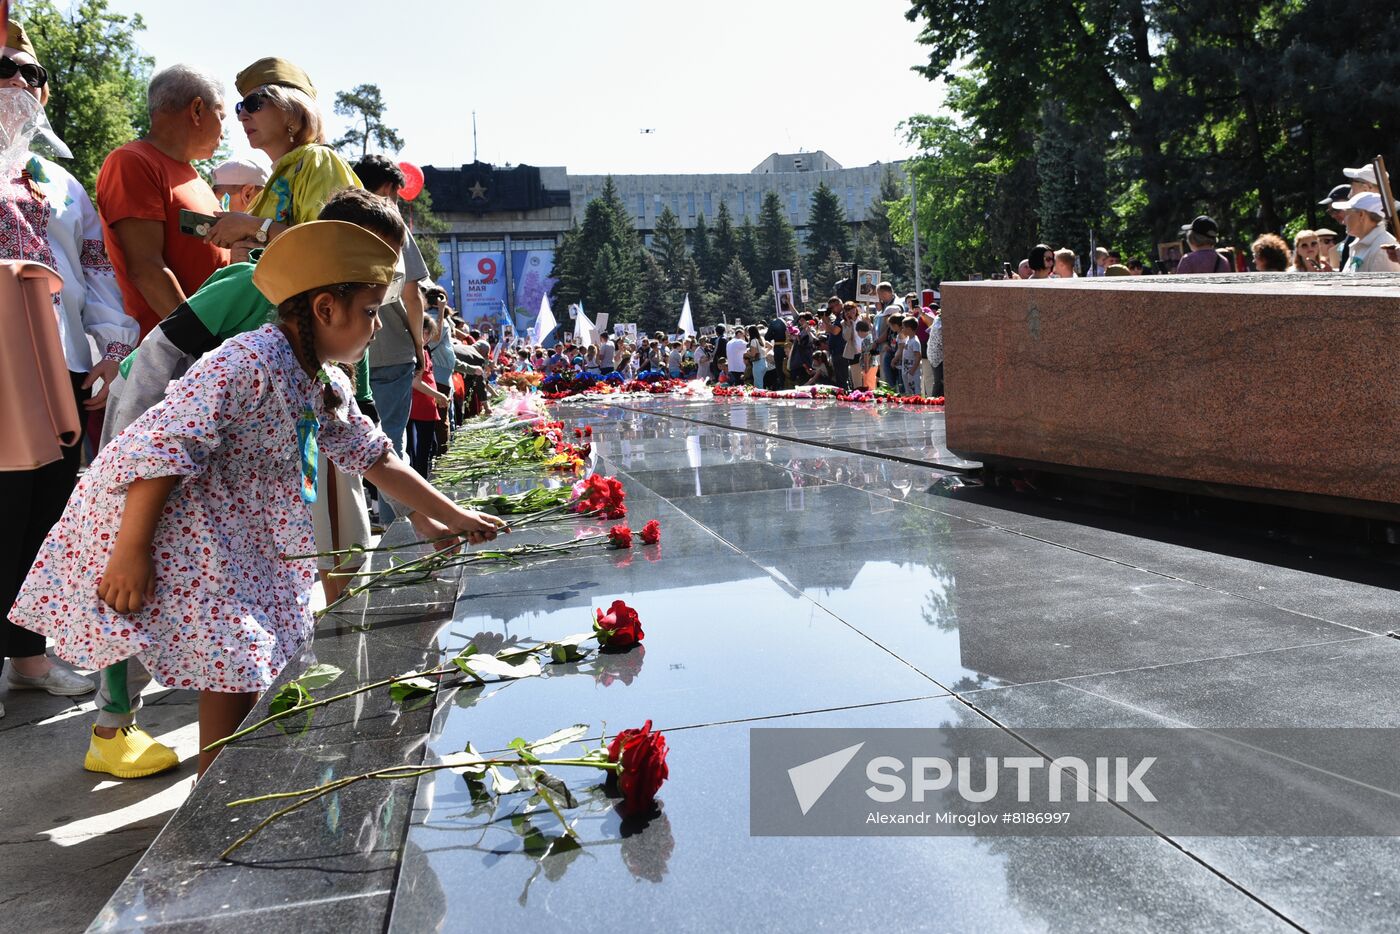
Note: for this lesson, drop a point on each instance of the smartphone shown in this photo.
(195, 224)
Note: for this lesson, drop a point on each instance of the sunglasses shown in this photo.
(252, 103)
(34, 75)
(1328, 241)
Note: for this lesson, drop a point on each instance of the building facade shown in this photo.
(505, 221)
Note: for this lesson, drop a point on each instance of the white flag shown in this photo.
(544, 322)
(584, 331)
(687, 323)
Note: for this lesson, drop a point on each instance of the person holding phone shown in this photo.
(143, 187)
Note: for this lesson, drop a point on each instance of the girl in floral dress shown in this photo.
(171, 548)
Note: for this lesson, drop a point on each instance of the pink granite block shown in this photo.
(1272, 382)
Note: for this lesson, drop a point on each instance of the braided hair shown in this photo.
(296, 312)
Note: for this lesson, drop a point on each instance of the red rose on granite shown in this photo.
(651, 533)
(643, 757)
(619, 627)
(620, 536)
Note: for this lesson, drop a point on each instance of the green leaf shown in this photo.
(290, 695)
(578, 638)
(468, 762)
(412, 692)
(559, 738)
(529, 667)
(556, 787)
(563, 654)
(318, 676)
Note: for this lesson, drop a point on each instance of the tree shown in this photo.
(748, 253)
(775, 241)
(365, 106)
(724, 245)
(97, 95)
(606, 225)
(896, 260)
(735, 296)
(826, 274)
(827, 228)
(654, 312)
(668, 246)
(693, 285)
(700, 249)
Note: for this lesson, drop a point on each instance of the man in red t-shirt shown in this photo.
(143, 186)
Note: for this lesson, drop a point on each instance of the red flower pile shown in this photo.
(619, 627)
(601, 495)
(620, 536)
(643, 757)
(651, 533)
(824, 392)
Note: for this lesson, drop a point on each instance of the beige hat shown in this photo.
(16, 38)
(239, 172)
(321, 253)
(273, 71)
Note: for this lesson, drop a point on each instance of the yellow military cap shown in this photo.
(273, 71)
(16, 38)
(321, 253)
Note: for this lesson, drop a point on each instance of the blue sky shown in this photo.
(723, 83)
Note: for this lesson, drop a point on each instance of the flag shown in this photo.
(687, 323)
(544, 323)
(584, 331)
(507, 319)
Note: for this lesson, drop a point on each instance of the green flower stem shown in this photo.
(307, 796)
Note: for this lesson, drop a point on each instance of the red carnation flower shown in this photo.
(620, 536)
(651, 533)
(642, 754)
(619, 627)
(616, 512)
(588, 430)
(578, 432)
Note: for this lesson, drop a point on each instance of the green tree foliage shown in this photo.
(734, 298)
(98, 78)
(724, 245)
(584, 276)
(1131, 116)
(668, 246)
(827, 228)
(365, 107)
(654, 313)
(701, 250)
(826, 274)
(775, 241)
(748, 253)
(693, 284)
(896, 260)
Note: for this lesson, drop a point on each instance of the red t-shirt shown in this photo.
(139, 181)
(423, 408)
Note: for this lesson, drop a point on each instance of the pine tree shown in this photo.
(613, 286)
(776, 242)
(693, 284)
(827, 229)
(827, 274)
(724, 246)
(735, 296)
(866, 252)
(668, 246)
(700, 249)
(896, 262)
(654, 310)
(748, 253)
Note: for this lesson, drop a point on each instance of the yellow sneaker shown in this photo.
(132, 753)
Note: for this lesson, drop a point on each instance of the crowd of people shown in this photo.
(848, 346)
(1362, 243)
(229, 360)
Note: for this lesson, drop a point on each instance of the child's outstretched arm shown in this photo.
(129, 580)
(403, 484)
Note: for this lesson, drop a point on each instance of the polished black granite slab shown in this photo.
(815, 578)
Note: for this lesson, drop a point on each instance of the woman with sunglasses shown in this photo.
(46, 217)
(1307, 256)
(279, 115)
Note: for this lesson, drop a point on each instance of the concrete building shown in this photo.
(497, 212)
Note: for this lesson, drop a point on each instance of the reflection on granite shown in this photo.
(796, 584)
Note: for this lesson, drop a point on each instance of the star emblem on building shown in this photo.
(478, 192)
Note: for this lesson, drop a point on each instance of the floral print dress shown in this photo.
(229, 610)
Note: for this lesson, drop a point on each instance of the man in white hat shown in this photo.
(1364, 179)
(237, 183)
(1365, 219)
